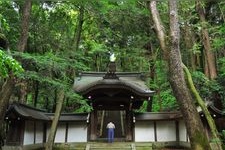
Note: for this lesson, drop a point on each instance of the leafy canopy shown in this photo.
(9, 65)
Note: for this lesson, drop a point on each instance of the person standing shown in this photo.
(110, 127)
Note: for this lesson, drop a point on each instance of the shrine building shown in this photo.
(114, 96)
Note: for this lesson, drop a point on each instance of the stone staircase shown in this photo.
(104, 146)
(109, 146)
(118, 146)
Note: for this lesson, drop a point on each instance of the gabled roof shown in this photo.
(25, 112)
(212, 108)
(17, 110)
(88, 81)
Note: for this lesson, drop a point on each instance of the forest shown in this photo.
(44, 45)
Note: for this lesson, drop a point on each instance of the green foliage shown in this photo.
(196, 49)
(123, 27)
(210, 90)
(9, 21)
(9, 65)
(76, 103)
(165, 100)
(218, 42)
(222, 67)
(51, 72)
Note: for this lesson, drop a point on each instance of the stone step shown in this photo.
(143, 146)
(109, 146)
(104, 146)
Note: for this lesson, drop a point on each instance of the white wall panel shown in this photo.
(144, 131)
(39, 132)
(60, 133)
(182, 131)
(77, 132)
(29, 133)
(166, 131)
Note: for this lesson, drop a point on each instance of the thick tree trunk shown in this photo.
(24, 26)
(217, 145)
(8, 86)
(191, 117)
(210, 65)
(51, 136)
(5, 94)
(193, 123)
(23, 42)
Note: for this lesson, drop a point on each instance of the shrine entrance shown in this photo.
(117, 109)
(117, 117)
(113, 97)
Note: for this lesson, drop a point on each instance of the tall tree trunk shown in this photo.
(210, 65)
(152, 55)
(191, 117)
(217, 145)
(77, 35)
(189, 40)
(159, 28)
(24, 26)
(5, 94)
(36, 92)
(8, 86)
(52, 132)
(23, 42)
(193, 123)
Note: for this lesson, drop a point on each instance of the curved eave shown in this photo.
(212, 108)
(132, 86)
(157, 116)
(70, 117)
(26, 112)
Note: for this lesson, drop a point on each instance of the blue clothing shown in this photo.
(110, 135)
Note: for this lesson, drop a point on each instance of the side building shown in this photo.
(114, 97)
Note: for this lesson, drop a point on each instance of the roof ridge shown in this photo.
(28, 106)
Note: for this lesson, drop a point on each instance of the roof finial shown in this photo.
(111, 73)
(112, 57)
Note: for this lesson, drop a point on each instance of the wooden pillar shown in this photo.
(66, 134)
(155, 131)
(44, 132)
(129, 129)
(177, 132)
(93, 125)
(35, 132)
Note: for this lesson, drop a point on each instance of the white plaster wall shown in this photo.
(29, 133)
(39, 132)
(182, 131)
(166, 131)
(77, 132)
(60, 133)
(144, 131)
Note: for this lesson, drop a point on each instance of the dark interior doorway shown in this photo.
(118, 117)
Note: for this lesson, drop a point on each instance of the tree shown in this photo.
(23, 42)
(210, 65)
(201, 103)
(80, 20)
(9, 67)
(8, 86)
(193, 123)
(52, 132)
